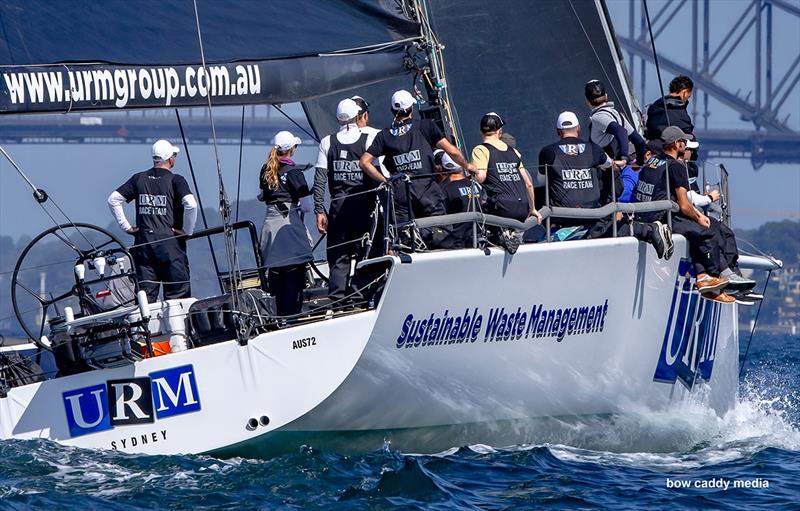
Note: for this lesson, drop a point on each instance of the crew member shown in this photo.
(609, 129)
(702, 235)
(509, 190)
(573, 168)
(704, 201)
(166, 211)
(348, 218)
(460, 195)
(672, 109)
(408, 147)
(285, 242)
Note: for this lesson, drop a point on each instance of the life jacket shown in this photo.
(505, 189)
(344, 173)
(573, 180)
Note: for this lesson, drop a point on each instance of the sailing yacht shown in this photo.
(445, 348)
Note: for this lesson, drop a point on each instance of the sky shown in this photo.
(81, 176)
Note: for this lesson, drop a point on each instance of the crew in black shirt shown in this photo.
(508, 186)
(664, 177)
(672, 109)
(165, 210)
(408, 149)
(460, 195)
(573, 168)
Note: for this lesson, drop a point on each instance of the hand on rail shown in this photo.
(713, 195)
(178, 232)
(472, 169)
(322, 223)
(537, 215)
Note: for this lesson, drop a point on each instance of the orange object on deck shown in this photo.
(159, 348)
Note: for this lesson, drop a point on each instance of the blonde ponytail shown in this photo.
(269, 172)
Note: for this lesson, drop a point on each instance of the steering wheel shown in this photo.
(89, 242)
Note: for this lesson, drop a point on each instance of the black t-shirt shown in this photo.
(457, 195)
(573, 172)
(652, 184)
(408, 148)
(292, 186)
(158, 193)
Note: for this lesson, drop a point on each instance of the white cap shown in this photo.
(163, 150)
(347, 110)
(692, 144)
(566, 121)
(448, 163)
(284, 141)
(402, 100)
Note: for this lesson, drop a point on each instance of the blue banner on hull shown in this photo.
(131, 401)
(690, 338)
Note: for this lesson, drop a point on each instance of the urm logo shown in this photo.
(159, 395)
(690, 338)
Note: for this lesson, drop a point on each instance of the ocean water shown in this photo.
(749, 459)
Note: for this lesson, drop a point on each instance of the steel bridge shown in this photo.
(772, 107)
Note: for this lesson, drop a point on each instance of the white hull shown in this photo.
(471, 392)
(367, 375)
(270, 377)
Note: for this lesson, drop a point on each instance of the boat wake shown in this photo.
(585, 467)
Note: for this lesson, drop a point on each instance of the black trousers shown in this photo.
(348, 221)
(286, 283)
(162, 260)
(425, 199)
(705, 244)
(730, 252)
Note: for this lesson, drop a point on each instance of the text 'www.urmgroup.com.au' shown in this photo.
(124, 85)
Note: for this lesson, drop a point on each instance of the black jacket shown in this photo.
(657, 117)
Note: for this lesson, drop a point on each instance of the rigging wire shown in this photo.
(620, 99)
(276, 107)
(41, 198)
(755, 323)
(655, 60)
(224, 203)
(196, 189)
(239, 177)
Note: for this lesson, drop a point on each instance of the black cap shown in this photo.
(361, 102)
(491, 122)
(655, 146)
(594, 89)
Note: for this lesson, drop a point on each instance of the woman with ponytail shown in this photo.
(285, 241)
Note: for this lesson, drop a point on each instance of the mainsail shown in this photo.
(527, 61)
(146, 54)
